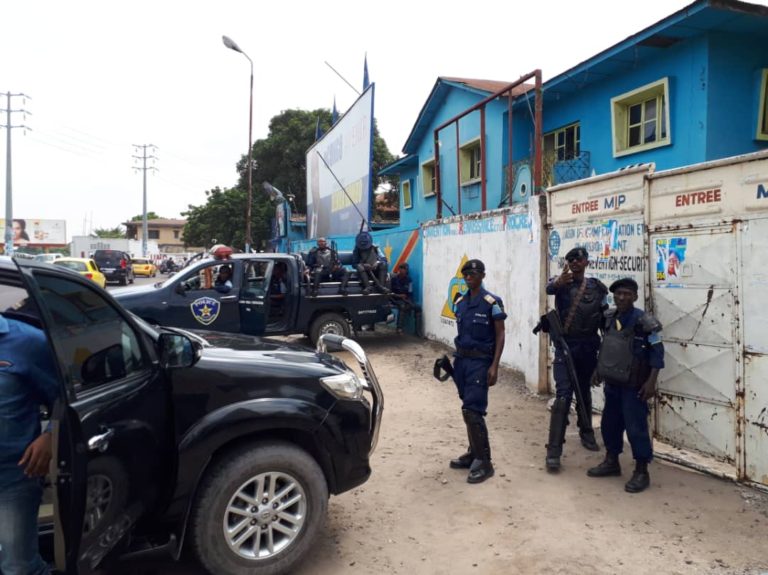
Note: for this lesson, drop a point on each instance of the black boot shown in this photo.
(481, 468)
(557, 423)
(640, 478)
(588, 440)
(586, 433)
(463, 461)
(343, 286)
(609, 467)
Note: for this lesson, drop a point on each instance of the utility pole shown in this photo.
(8, 180)
(144, 157)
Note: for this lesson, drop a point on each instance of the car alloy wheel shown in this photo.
(265, 515)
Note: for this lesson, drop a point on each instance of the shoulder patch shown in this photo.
(490, 299)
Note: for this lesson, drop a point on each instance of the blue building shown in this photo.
(691, 88)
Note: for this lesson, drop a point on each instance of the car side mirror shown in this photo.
(177, 350)
(180, 289)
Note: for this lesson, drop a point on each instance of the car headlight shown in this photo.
(344, 385)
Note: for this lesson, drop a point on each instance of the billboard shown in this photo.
(36, 232)
(347, 148)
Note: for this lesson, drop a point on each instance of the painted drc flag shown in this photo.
(205, 310)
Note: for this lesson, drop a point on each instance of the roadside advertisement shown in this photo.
(33, 233)
(347, 150)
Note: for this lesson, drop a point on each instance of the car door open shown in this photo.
(113, 434)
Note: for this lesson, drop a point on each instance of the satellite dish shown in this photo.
(274, 194)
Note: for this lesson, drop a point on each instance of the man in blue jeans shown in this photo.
(631, 355)
(28, 379)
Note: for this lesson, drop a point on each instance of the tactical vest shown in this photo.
(589, 312)
(324, 258)
(616, 362)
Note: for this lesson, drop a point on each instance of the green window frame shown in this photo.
(428, 177)
(762, 114)
(405, 193)
(471, 162)
(640, 119)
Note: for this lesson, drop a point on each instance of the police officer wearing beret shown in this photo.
(631, 356)
(480, 322)
(580, 302)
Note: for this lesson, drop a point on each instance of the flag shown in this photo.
(318, 130)
(334, 113)
(366, 81)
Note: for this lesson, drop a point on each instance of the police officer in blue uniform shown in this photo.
(480, 321)
(580, 302)
(631, 356)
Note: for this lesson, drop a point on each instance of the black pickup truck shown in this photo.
(189, 299)
(165, 439)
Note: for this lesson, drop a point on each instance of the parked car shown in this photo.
(47, 258)
(190, 299)
(144, 267)
(116, 265)
(85, 267)
(167, 439)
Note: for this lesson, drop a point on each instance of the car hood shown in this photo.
(248, 349)
(120, 293)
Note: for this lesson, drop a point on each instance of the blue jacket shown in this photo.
(475, 317)
(28, 379)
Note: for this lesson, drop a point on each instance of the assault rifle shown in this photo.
(550, 323)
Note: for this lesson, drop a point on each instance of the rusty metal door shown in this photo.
(754, 282)
(694, 295)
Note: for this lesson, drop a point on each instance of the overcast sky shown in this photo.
(104, 75)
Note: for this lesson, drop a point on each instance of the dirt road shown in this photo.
(416, 516)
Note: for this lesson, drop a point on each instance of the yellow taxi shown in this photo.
(144, 267)
(85, 267)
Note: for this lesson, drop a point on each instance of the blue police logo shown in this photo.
(205, 310)
(554, 243)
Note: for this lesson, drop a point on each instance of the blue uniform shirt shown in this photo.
(28, 379)
(644, 346)
(475, 318)
(402, 285)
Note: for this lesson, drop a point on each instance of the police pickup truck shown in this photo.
(170, 440)
(267, 295)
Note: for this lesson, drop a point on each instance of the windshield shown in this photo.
(76, 266)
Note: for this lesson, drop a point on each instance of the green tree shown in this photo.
(150, 216)
(116, 232)
(279, 159)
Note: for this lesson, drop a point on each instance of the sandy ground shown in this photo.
(417, 516)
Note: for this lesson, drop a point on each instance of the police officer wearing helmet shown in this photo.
(580, 302)
(631, 356)
(480, 322)
(369, 264)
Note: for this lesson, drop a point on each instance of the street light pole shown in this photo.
(232, 45)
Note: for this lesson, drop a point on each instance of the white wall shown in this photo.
(507, 241)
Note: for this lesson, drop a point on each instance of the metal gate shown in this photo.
(754, 280)
(694, 295)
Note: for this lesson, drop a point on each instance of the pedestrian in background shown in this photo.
(480, 323)
(631, 356)
(402, 297)
(580, 302)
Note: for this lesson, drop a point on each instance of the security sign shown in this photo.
(205, 310)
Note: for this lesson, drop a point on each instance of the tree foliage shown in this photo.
(278, 159)
(150, 216)
(116, 232)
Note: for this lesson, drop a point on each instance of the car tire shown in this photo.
(328, 323)
(131, 278)
(122, 281)
(234, 482)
